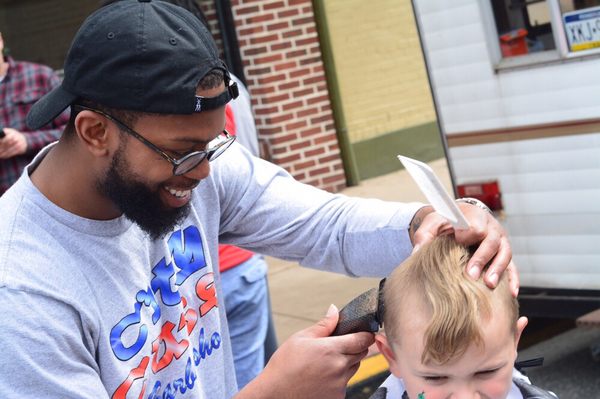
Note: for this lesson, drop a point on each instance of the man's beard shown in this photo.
(138, 202)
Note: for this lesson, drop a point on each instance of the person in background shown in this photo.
(448, 336)
(243, 274)
(21, 85)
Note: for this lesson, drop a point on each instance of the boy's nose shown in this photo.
(466, 393)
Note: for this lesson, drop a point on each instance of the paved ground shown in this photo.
(569, 369)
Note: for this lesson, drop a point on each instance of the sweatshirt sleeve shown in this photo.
(265, 210)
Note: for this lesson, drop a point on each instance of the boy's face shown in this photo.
(481, 372)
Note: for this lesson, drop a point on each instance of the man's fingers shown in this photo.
(352, 370)
(486, 250)
(353, 344)
(499, 263)
(493, 247)
(513, 278)
(325, 326)
(353, 363)
(431, 226)
(478, 230)
(356, 358)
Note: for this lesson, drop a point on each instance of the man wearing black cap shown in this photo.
(109, 238)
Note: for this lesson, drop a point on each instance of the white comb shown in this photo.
(435, 192)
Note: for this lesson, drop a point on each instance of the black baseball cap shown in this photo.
(140, 55)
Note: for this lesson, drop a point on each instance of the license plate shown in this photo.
(583, 28)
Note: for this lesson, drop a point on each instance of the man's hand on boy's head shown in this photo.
(484, 230)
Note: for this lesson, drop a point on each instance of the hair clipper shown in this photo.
(363, 313)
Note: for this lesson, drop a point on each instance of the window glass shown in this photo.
(572, 5)
(581, 19)
(524, 26)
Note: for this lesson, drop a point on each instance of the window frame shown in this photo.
(560, 53)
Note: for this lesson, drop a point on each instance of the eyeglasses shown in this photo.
(188, 161)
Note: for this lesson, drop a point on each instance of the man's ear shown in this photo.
(386, 350)
(93, 130)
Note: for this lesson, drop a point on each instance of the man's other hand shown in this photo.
(311, 364)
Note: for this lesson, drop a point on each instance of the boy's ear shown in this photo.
(521, 324)
(386, 350)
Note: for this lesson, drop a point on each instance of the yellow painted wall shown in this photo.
(379, 66)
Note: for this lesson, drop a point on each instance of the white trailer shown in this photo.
(516, 85)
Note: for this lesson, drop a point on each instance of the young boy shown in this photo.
(447, 336)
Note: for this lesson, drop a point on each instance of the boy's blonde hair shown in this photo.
(436, 276)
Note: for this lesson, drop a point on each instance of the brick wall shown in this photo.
(208, 8)
(285, 75)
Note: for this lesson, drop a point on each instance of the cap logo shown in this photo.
(198, 107)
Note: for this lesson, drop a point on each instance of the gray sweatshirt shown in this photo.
(95, 309)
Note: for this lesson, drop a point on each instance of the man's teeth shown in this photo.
(179, 193)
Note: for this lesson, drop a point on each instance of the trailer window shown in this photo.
(544, 31)
(523, 26)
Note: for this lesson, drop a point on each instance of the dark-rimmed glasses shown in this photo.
(188, 161)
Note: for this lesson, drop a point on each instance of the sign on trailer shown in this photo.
(583, 28)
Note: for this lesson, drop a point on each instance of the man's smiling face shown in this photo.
(140, 182)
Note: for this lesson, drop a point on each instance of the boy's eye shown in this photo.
(486, 373)
(435, 379)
